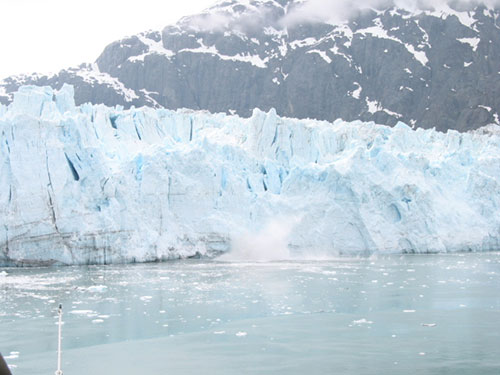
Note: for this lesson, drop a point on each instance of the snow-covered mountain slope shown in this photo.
(94, 184)
(428, 68)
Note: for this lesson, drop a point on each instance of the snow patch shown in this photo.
(357, 93)
(378, 31)
(373, 105)
(336, 51)
(473, 42)
(323, 55)
(443, 10)
(94, 75)
(254, 60)
(303, 43)
(154, 47)
(420, 56)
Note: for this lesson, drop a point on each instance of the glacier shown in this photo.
(97, 185)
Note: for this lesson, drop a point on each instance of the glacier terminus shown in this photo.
(92, 184)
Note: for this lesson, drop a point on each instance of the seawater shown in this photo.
(425, 314)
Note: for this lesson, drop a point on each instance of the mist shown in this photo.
(248, 19)
(267, 244)
(343, 10)
(312, 11)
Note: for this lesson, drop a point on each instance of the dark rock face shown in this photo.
(427, 69)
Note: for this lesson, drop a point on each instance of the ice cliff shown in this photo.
(93, 184)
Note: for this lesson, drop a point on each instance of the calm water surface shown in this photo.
(425, 314)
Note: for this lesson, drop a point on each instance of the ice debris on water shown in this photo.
(97, 288)
(362, 321)
(92, 184)
(88, 313)
(12, 355)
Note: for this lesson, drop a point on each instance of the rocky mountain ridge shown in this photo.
(429, 68)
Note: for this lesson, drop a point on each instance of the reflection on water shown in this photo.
(432, 313)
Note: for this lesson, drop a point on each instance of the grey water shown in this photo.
(425, 314)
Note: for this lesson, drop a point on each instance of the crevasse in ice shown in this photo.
(93, 184)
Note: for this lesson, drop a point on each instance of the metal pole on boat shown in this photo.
(59, 371)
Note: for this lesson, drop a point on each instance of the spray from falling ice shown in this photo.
(267, 244)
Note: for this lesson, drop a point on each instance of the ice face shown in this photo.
(93, 184)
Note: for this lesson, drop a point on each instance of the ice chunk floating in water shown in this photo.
(93, 184)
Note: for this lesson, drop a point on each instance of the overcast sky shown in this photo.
(47, 35)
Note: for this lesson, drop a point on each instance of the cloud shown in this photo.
(337, 11)
(231, 17)
(210, 21)
(244, 16)
(324, 10)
